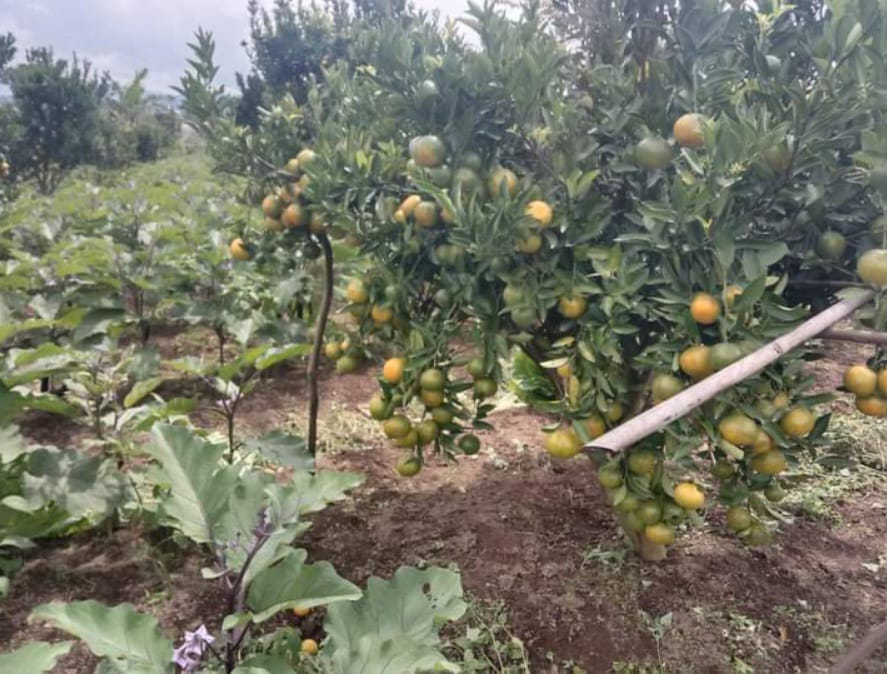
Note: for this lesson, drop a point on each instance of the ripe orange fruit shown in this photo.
(356, 292)
(572, 306)
(872, 267)
(238, 250)
(689, 496)
(705, 309)
(738, 518)
(316, 223)
(652, 153)
(432, 399)
(769, 463)
(541, 212)
(696, 361)
(309, 647)
(381, 314)
(408, 205)
(595, 426)
(428, 151)
(294, 216)
(425, 214)
(873, 406)
(563, 443)
(503, 181)
(529, 245)
(392, 370)
(782, 400)
(305, 157)
(396, 427)
(882, 381)
(292, 166)
(688, 130)
(665, 386)
(860, 380)
(797, 422)
(285, 196)
(301, 611)
(738, 429)
(408, 466)
(272, 207)
(660, 533)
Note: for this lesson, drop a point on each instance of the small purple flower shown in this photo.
(189, 655)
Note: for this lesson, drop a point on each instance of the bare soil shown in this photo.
(521, 529)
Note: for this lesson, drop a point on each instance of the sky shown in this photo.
(121, 36)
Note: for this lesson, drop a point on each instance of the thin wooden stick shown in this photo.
(858, 336)
(660, 416)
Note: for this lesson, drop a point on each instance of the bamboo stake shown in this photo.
(858, 336)
(660, 416)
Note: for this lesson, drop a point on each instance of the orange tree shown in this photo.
(631, 221)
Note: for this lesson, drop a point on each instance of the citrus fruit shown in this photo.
(425, 214)
(652, 153)
(427, 91)
(442, 416)
(860, 380)
(408, 205)
(689, 496)
(470, 160)
(308, 647)
(356, 292)
(642, 462)
(484, 388)
(469, 444)
(428, 151)
(738, 429)
(724, 354)
(563, 443)
(523, 317)
(466, 180)
(332, 350)
(392, 371)
(777, 157)
(660, 533)
(873, 406)
(272, 207)
(831, 246)
(381, 314)
(774, 492)
(781, 401)
(595, 426)
(650, 512)
(665, 386)
(427, 431)
(738, 518)
(431, 399)
(696, 361)
(758, 534)
(688, 130)
(529, 245)
(476, 368)
(541, 212)
(763, 442)
(408, 466)
(705, 309)
(238, 250)
(396, 427)
(432, 379)
(572, 306)
(769, 463)
(502, 181)
(301, 611)
(614, 412)
(346, 364)
(609, 477)
(512, 295)
(797, 422)
(872, 267)
(628, 503)
(722, 469)
(882, 381)
(294, 216)
(632, 522)
(305, 157)
(378, 407)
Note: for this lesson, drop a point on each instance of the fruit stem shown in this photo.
(320, 329)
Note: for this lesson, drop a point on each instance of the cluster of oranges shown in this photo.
(869, 387)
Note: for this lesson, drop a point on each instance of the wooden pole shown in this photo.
(660, 416)
(858, 336)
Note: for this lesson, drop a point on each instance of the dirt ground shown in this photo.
(521, 529)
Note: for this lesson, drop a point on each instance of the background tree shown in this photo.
(57, 105)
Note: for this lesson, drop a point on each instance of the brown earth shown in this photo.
(521, 529)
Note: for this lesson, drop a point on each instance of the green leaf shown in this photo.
(97, 322)
(284, 449)
(264, 664)
(394, 627)
(279, 355)
(120, 633)
(12, 444)
(312, 493)
(291, 583)
(35, 657)
(199, 489)
(141, 389)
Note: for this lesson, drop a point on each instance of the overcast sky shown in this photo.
(123, 35)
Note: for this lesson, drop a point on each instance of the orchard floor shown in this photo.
(534, 535)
